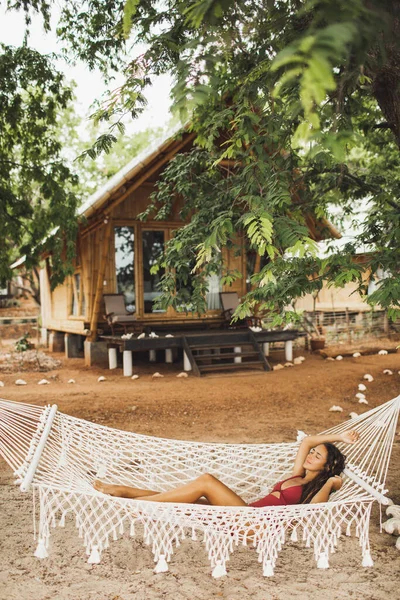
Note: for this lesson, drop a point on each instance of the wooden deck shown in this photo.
(205, 351)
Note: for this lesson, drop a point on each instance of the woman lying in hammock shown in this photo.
(316, 473)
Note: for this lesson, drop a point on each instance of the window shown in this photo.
(214, 288)
(254, 264)
(124, 240)
(78, 303)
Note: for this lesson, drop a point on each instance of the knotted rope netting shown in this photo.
(61, 456)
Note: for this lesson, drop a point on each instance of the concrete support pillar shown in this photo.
(152, 356)
(168, 356)
(237, 350)
(96, 353)
(112, 358)
(56, 341)
(43, 336)
(266, 348)
(127, 363)
(72, 344)
(186, 362)
(289, 350)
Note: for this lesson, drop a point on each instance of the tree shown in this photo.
(41, 182)
(36, 187)
(296, 106)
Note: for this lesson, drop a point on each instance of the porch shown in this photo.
(203, 351)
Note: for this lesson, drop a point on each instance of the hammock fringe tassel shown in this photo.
(162, 565)
(41, 551)
(323, 562)
(219, 570)
(268, 569)
(94, 557)
(367, 559)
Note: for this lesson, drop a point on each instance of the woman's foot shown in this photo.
(106, 488)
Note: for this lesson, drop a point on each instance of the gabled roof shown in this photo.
(133, 168)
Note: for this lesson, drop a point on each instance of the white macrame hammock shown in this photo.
(60, 456)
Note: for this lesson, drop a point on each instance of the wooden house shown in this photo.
(114, 253)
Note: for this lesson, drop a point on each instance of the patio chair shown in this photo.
(229, 302)
(116, 313)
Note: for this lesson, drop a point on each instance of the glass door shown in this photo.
(152, 249)
(124, 243)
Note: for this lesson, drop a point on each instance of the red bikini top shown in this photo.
(290, 495)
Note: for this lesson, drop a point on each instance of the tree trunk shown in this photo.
(386, 89)
(386, 74)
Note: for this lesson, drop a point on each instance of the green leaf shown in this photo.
(130, 10)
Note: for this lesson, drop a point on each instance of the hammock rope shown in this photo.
(61, 456)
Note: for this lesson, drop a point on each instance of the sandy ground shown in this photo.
(248, 407)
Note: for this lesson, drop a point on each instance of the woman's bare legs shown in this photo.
(216, 492)
(121, 491)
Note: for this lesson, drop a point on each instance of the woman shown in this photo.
(316, 473)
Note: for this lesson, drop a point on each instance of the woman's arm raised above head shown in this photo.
(348, 437)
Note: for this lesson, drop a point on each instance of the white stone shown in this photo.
(278, 367)
(362, 387)
(356, 354)
(363, 401)
(353, 415)
(368, 377)
(183, 374)
(360, 395)
(297, 360)
(169, 335)
(157, 375)
(1, 384)
(43, 382)
(336, 409)
(330, 358)
(141, 336)
(289, 364)
(382, 352)
(256, 329)
(339, 357)
(153, 335)
(135, 377)
(101, 378)
(71, 381)
(20, 382)
(387, 372)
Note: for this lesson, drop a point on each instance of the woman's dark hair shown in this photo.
(335, 463)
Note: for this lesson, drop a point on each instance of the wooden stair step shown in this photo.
(237, 366)
(214, 346)
(224, 355)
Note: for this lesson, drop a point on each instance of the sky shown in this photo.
(90, 85)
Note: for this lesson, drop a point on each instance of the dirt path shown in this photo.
(252, 407)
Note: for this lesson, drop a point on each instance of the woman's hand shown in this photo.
(350, 437)
(336, 482)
